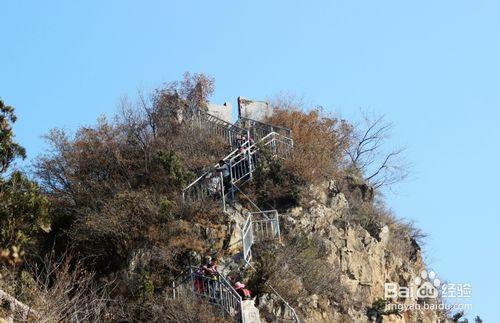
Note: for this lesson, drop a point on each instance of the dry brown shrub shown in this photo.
(319, 141)
(185, 311)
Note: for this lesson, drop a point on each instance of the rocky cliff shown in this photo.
(363, 261)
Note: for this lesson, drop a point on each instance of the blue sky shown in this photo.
(432, 66)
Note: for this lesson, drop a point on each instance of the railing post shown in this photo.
(231, 139)
(273, 144)
(278, 226)
(173, 289)
(250, 163)
(223, 194)
(231, 178)
(191, 281)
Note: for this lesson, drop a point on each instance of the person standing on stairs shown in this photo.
(198, 282)
(210, 271)
(249, 139)
(242, 170)
(239, 139)
(242, 291)
(226, 174)
(214, 184)
(210, 267)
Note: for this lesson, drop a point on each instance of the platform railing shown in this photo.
(261, 226)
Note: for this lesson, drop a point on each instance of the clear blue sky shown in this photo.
(432, 66)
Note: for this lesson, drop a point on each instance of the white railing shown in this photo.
(247, 239)
(265, 225)
(210, 184)
(279, 146)
(245, 162)
(259, 227)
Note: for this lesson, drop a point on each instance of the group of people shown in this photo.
(207, 278)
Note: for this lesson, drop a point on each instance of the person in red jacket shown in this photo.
(242, 291)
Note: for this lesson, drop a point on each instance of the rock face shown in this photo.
(365, 263)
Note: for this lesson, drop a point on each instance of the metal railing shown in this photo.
(232, 134)
(279, 145)
(210, 183)
(265, 225)
(245, 162)
(215, 290)
(266, 229)
(259, 227)
(241, 163)
(248, 239)
(259, 129)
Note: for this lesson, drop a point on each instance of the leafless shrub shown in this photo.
(296, 270)
(186, 311)
(135, 220)
(60, 289)
(369, 157)
(405, 237)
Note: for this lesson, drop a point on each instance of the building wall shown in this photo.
(222, 111)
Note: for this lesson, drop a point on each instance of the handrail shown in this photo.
(241, 165)
(248, 199)
(233, 154)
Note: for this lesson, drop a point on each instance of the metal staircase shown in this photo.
(247, 138)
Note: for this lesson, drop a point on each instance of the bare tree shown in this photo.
(369, 155)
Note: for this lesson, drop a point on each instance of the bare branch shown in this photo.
(368, 155)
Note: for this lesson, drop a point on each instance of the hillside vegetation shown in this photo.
(100, 231)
